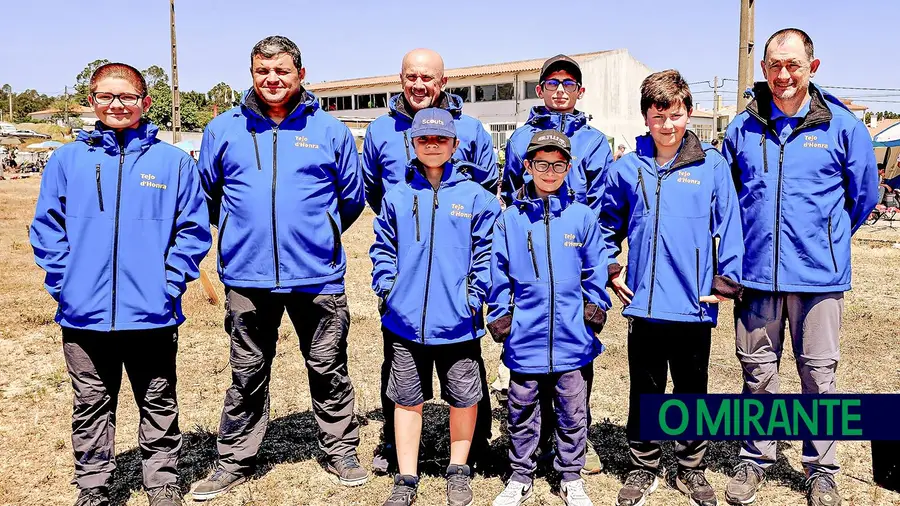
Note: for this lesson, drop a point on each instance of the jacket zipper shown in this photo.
(406, 144)
(831, 246)
(336, 248)
(99, 189)
(274, 225)
(778, 215)
(219, 243)
(434, 207)
(115, 266)
(533, 256)
(552, 286)
(697, 251)
(256, 149)
(655, 241)
(643, 187)
(416, 215)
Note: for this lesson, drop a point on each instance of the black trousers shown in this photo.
(653, 350)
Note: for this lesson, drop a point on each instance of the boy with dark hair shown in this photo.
(673, 199)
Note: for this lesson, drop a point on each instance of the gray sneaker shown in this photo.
(404, 491)
(166, 495)
(639, 484)
(692, 482)
(93, 497)
(348, 471)
(218, 483)
(821, 490)
(742, 487)
(459, 486)
(592, 463)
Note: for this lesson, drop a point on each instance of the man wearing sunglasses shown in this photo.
(560, 87)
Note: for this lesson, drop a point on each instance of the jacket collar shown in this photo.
(134, 139)
(691, 151)
(545, 119)
(251, 103)
(398, 105)
(760, 107)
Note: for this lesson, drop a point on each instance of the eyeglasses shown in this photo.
(568, 84)
(127, 99)
(544, 166)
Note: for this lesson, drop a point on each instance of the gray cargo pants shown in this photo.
(94, 361)
(815, 325)
(322, 322)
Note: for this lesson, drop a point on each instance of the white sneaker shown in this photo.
(572, 492)
(514, 494)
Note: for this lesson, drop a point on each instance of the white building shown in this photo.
(501, 95)
(84, 113)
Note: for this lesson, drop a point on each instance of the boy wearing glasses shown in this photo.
(674, 201)
(120, 228)
(560, 87)
(431, 271)
(547, 304)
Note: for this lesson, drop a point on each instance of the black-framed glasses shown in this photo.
(128, 99)
(544, 166)
(569, 85)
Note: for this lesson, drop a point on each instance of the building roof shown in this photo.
(881, 126)
(75, 109)
(854, 107)
(532, 65)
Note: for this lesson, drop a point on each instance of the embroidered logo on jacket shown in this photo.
(685, 177)
(459, 211)
(147, 182)
(570, 241)
(810, 141)
(303, 142)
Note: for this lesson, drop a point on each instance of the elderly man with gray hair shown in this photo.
(283, 181)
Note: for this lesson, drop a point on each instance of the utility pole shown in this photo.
(176, 95)
(745, 53)
(11, 117)
(715, 127)
(66, 113)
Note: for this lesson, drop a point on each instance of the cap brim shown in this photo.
(568, 66)
(535, 149)
(424, 132)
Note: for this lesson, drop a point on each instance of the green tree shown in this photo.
(83, 81)
(160, 112)
(28, 102)
(154, 75)
(223, 97)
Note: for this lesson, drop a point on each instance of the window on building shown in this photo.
(337, 103)
(704, 132)
(372, 101)
(464, 92)
(493, 92)
(529, 89)
(500, 133)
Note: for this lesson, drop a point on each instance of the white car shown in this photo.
(7, 129)
(29, 133)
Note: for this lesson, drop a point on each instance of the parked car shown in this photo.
(7, 129)
(29, 133)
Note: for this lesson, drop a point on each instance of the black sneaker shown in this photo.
(742, 487)
(348, 471)
(692, 482)
(97, 496)
(404, 491)
(216, 484)
(459, 486)
(638, 485)
(166, 495)
(821, 490)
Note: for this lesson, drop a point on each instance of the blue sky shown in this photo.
(46, 43)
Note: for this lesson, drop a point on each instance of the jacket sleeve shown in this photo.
(729, 151)
(596, 164)
(614, 211)
(351, 197)
(500, 306)
(211, 177)
(594, 274)
(513, 175)
(48, 230)
(384, 251)
(726, 225)
(860, 176)
(487, 161)
(482, 234)
(371, 168)
(192, 238)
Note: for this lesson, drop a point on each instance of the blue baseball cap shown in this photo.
(433, 121)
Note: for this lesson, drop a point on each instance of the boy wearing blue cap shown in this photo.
(431, 270)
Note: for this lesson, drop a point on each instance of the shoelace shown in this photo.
(458, 482)
(91, 498)
(400, 492)
(513, 491)
(575, 490)
(823, 482)
(350, 462)
(695, 479)
(169, 491)
(743, 470)
(639, 479)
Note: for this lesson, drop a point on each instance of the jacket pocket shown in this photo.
(831, 246)
(99, 188)
(219, 241)
(336, 247)
(534, 262)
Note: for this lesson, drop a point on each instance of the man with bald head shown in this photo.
(387, 150)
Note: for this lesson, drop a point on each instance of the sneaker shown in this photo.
(592, 464)
(514, 494)
(219, 482)
(692, 482)
(742, 487)
(573, 494)
(821, 490)
(96, 496)
(639, 484)
(348, 471)
(166, 495)
(385, 457)
(404, 491)
(459, 486)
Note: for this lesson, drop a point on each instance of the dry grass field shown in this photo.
(36, 397)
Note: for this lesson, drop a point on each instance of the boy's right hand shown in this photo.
(620, 288)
